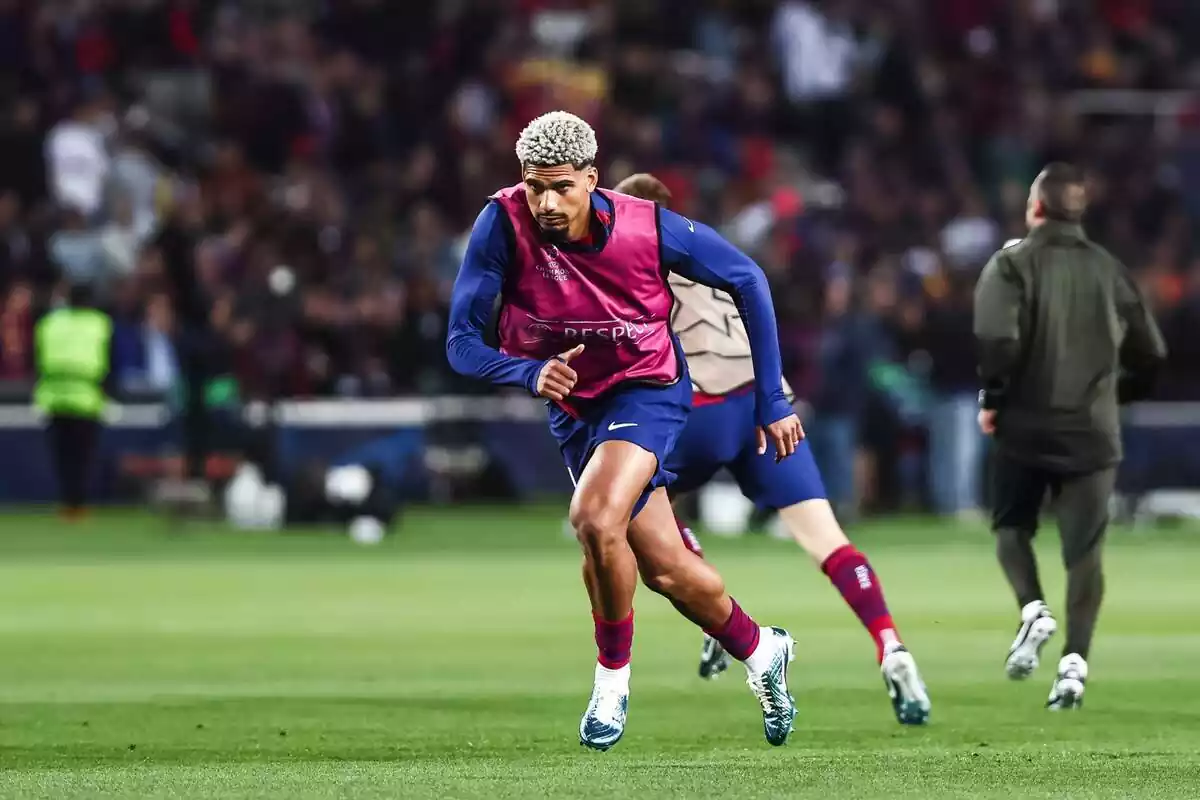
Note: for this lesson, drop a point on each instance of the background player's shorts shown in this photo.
(723, 435)
(652, 417)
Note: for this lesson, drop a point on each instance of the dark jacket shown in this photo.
(951, 347)
(844, 356)
(1064, 338)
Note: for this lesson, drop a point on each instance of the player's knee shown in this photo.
(1083, 560)
(657, 582)
(597, 526)
(1018, 535)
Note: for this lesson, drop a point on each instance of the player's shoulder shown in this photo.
(493, 231)
(620, 198)
(1103, 255)
(676, 226)
(507, 193)
(1003, 258)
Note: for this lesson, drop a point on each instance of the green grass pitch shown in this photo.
(454, 660)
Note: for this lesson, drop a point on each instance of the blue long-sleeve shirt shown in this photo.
(695, 251)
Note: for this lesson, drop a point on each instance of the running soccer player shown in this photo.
(585, 323)
(720, 433)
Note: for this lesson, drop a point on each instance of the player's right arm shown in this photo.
(1144, 349)
(998, 303)
(479, 281)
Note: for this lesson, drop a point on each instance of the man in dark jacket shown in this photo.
(956, 446)
(1065, 338)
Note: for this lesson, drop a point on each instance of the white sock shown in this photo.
(760, 659)
(891, 642)
(612, 677)
(1031, 610)
(1073, 661)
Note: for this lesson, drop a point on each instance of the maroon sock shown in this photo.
(851, 573)
(739, 634)
(689, 538)
(614, 641)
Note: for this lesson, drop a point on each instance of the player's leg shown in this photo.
(669, 568)
(794, 487)
(626, 446)
(609, 487)
(577, 450)
(615, 477)
(696, 457)
(1082, 511)
(1018, 491)
(685, 533)
(714, 660)
(698, 591)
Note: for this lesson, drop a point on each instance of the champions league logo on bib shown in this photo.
(551, 268)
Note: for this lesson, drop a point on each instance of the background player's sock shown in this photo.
(850, 572)
(689, 538)
(614, 641)
(739, 635)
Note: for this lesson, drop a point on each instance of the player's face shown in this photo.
(561, 198)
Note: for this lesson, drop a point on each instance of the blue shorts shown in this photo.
(723, 434)
(652, 417)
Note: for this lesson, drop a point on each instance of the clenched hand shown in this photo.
(557, 379)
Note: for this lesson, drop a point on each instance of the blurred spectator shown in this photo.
(119, 241)
(839, 402)
(136, 180)
(75, 248)
(154, 367)
(15, 245)
(956, 444)
(77, 158)
(16, 334)
(970, 238)
(22, 145)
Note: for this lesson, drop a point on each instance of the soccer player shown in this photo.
(585, 323)
(720, 433)
(1064, 339)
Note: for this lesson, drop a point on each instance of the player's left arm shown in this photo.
(479, 283)
(998, 303)
(699, 253)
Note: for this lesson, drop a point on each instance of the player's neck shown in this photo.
(581, 229)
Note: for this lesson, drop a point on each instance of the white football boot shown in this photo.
(1067, 691)
(766, 674)
(603, 723)
(1037, 626)
(910, 700)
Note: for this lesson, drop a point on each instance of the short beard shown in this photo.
(556, 233)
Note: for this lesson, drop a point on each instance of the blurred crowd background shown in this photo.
(273, 195)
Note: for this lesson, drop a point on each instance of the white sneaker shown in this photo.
(1037, 626)
(603, 723)
(910, 700)
(766, 674)
(1067, 691)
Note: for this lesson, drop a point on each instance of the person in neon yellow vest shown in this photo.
(73, 346)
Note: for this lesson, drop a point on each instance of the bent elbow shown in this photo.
(456, 345)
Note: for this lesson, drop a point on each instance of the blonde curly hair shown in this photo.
(556, 138)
